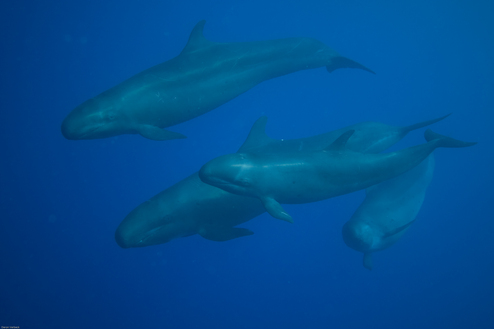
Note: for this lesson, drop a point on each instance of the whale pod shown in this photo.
(193, 207)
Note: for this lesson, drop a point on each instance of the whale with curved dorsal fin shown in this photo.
(387, 212)
(304, 177)
(193, 207)
(202, 77)
(368, 137)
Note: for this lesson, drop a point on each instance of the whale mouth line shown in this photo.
(223, 182)
(210, 179)
(91, 131)
(218, 182)
(149, 234)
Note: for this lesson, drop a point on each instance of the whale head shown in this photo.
(229, 172)
(134, 234)
(93, 119)
(359, 236)
(149, 224)
(363, 237)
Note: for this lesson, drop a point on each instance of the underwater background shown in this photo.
(61, 201)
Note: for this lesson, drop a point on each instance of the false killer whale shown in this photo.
(204, 76)
(388, 210)
(303, 177)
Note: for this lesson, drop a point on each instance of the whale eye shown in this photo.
(111, 116)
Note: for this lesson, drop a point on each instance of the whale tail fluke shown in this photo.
(422, 124)
(341, 62)
(445, 141)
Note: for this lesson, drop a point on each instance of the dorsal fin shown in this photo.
(257, 136)
(340, 142)
(197, 39)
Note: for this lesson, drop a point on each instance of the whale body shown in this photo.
(388, 211)
(204, 76)
(193, 207)
(303, 177)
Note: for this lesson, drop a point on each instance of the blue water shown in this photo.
(61, 200)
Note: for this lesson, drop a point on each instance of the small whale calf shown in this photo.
(388, 211)
(204, 76)
(193, 207)
(304, 177)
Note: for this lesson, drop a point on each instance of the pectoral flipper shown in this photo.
(275, 209)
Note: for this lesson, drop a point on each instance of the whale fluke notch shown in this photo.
(341, 62)
(445, 141)
(422, 124)
(224, 233)
(197, 39)
(368, 264)
(257, 136)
